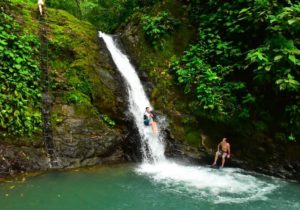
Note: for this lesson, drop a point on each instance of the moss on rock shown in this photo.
(78, 72)
(75, 64)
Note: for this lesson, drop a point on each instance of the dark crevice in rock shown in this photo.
(46, 94)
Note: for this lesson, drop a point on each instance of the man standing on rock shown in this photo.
(223, 150)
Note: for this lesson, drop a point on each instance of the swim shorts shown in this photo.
(222, 153)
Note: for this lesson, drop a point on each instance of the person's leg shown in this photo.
(154, 127)
(41, 9)
(223, 159)
(216, 158)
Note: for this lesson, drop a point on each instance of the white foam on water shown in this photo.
(218, 186)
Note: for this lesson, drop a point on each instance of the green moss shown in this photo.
(56, 119)
(26, 13)
(193, 138)
(85, 111)
(76, 97)
(74, 53)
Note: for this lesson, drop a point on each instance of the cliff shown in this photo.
(84, 96)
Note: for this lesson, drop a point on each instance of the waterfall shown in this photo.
(152, 145)
(230, 185)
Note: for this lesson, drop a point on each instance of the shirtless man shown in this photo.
(223, 150)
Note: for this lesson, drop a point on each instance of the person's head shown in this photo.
(147, 109)
(224, 139)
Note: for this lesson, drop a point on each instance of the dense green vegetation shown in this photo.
(106, 15)
(20, 91)
(156, 27)
(244, 68)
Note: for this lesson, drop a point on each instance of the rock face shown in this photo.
(19, 159)
(87, 100)
(81, 141)
(282, 168)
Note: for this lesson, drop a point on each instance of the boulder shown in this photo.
(15, 159)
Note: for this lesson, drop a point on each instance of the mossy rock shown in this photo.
(77, 66)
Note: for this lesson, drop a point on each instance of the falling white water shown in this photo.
(226, 186)
(152, 145)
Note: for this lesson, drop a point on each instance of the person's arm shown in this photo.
(147, 115)
(152, 114)
(218, 147)
(228, 151)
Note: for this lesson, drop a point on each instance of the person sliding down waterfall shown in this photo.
(223, 150)
(149, 120)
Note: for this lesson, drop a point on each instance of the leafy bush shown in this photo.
(155, 27)
(20, 92)
(246, 60)
(208, 83)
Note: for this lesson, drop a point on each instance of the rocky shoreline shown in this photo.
(15, 160)
(202, 156)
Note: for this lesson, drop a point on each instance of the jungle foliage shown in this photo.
(245, 64)
(242, 69)
(20, 92)
(106, 15)
(156, 27)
